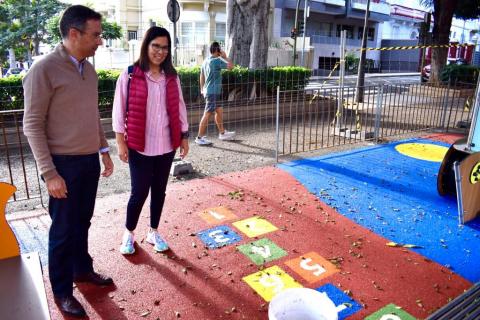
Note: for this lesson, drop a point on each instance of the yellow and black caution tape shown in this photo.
(468, 104)
(358, 124)
(317, 93)
(417, 47)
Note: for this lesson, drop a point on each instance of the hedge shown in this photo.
(242, 80)
(455, 74)
(11, 93)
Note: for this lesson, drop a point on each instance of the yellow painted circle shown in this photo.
(475, 174)
(423, 151)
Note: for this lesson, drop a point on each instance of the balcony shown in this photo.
(378, 6)
(340, 3)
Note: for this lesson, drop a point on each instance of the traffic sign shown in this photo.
(173, 10)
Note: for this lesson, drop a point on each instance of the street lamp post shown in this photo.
(359, 93)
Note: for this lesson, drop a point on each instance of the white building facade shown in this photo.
(204, 21)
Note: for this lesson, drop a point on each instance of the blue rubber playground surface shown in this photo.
(395, 196)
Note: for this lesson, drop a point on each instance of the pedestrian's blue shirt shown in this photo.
(212, 69)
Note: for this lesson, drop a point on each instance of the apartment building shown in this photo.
(326, 20)
(200, 23)
(203, 21)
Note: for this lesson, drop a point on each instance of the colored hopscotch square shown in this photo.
(346, 306)
(312, 267)
(255, 226)
(218, 237)
(390, 312)
(262, 251)
(217, 215)
(271, 281)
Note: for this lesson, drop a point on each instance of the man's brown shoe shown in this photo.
(94, 278)
(70, 306)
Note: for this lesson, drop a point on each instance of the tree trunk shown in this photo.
(442, 23)
(12, 61)
(259, 50)
(247, 27)
(239, 31)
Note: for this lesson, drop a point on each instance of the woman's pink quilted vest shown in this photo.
(136, 117)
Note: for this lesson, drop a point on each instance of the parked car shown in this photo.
(15, 72)
(425, 75)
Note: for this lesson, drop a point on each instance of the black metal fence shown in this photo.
(322, 118)
(309, 118)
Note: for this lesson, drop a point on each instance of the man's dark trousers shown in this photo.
(68, 237)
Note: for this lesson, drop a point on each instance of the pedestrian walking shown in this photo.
(62, 124)
(150, 123)
(211, 88)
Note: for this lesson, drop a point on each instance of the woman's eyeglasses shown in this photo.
(159, 48)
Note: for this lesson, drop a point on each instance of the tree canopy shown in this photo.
(465, 9)
(111, 30)
(23, 23)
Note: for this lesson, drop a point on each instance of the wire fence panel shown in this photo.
(17, 165)
(313, 119)
(309, 117)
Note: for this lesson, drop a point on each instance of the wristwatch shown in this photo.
(185, 134)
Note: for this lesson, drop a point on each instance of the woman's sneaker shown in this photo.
(127, 244)
(202, 141)
(156, 240)
(227, 135)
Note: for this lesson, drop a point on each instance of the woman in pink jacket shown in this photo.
(150, 122)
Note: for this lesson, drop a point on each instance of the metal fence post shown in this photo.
(378, 112)
(339, 115)
(277, 125)
(443, 118)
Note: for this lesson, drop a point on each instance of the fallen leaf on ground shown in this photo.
(394, 244)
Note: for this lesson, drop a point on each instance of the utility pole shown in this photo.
(295, 33)
(305, 16)
(173, 11)
(359, 93)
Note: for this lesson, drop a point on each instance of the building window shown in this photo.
(193, 33)
(370, 33)
(325, 29)
(132, 35)
(348, 28)
(186, 34)
(220, 32)
(201, 33)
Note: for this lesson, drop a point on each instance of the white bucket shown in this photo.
(302, 304)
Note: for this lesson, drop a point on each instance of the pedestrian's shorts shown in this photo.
(211, 102)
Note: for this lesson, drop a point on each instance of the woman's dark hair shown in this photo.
(215, 47)
(144, 63)
(76, 17)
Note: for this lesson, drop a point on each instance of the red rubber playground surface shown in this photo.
(215, 272)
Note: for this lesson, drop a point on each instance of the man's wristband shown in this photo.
(185, 134)
(105, 150)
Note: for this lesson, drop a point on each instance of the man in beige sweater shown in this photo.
(63, 128)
